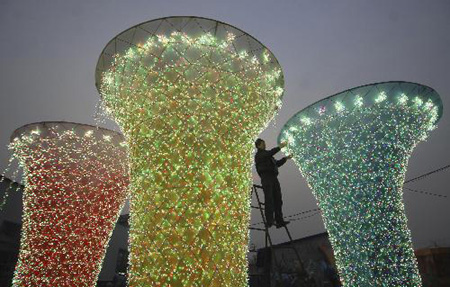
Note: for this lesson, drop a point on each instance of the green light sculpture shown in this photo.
(190, 95)
(353, 149)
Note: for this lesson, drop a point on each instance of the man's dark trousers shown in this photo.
(272, 199)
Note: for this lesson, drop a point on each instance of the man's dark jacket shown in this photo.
(266, 165)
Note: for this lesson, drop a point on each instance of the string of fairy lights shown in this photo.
(190, 107)
(354, 157)
(76, 179)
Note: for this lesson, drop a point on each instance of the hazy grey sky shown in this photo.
(49, 50)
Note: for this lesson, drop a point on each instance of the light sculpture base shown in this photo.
(76, 182)
(353, 149)
(190, 95)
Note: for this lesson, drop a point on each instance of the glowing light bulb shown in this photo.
(381, 97)
(403, 99)
(359, 101)
(339, 106)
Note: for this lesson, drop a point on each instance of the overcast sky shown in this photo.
(49, 50)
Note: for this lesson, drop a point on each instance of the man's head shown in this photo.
(260, 144)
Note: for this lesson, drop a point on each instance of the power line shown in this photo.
(423, 176)
(425, 192)
(294, 215)
(304, 217)
(420, 177)
(303, 212)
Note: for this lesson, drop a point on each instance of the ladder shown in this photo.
(268, 239)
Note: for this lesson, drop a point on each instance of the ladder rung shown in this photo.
(256, 228)
(257, 207)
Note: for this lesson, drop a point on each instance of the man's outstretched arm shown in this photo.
(273, 151)
(283, 160)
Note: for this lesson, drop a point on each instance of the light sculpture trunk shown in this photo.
(353, 149)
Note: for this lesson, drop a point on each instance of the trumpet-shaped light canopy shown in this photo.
(190, 94)
(353, 149)
(76, 182)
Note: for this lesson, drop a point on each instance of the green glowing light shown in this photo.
(359, 101)
(403, 99)
(339, 106)
(381, 97)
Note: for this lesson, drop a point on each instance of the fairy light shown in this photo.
(418, 101)
(306, 121)
(35, 132)
(75, 187)
(403, 99)
(322, 110)
(381, 97)
(355, 163)
(339, 106)
(359, 101)
(190, 104)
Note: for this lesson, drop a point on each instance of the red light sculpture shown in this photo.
(76, 179)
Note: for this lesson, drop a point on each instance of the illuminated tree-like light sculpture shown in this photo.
(190, 94)
(353, 149)
(76, 182)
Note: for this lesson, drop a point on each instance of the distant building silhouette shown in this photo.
(10, 224)
(434, 266)
(317, 257)
(282, 268)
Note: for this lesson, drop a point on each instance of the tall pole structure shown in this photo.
(190, 95)
(353, 149)
(76, 183)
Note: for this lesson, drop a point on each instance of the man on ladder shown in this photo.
(267, 168)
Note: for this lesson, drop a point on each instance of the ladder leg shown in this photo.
(268, 241)
(263, 216)
(293, 247)
(268, 238)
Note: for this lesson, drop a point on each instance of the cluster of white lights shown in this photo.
(358, 102)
